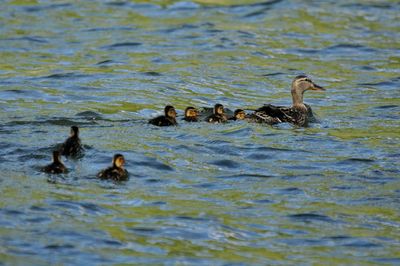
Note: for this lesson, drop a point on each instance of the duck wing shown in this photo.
(277, 112)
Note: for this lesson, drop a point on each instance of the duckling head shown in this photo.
(191, 112)
(169, 111)
(239, 114)
(219, 109)
(118, 160)
(301, 84)
(74, 131)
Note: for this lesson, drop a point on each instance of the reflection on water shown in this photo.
(200, 193)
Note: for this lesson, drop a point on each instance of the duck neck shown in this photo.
(297, 98)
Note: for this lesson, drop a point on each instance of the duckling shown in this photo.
(239, 114)
(72, 146)
(116, 171)
(168, 119)
(218, 116)
(191, 114)
(56, 167)
(298, 114)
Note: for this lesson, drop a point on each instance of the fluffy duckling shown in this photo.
(168, 119)
(218, 116)
(239, 114)
(72, 146)
(191, 114)
(299, 114)
(56, 167)
(117, 171)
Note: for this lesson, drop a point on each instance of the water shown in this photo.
(233, 194)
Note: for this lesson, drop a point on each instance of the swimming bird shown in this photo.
(56, 167)
(218, 116)
(168, 119)
(239, 114)
(191, 114)
(116, 172)
(72, 146)
(298, 114)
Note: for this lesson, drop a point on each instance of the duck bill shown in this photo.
(317, 87)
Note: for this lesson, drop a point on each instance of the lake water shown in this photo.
(200, 194)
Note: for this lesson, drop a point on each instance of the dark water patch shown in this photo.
(156, 165)
(300, 167)
(290, 190)
(46, 7)
(108, 29)
(89, 207)
(241, 132)
(143, 230)
(366, 68)
(259, 156)
(105, 62)
(116, 3)
(303, 242)
(345, 47)
(363, 6)
(245, 176)
(11, 212)
(391, 261)
(346, 187)
(38, 220)
(310, 217)
(225, 163)
(387, 106)
(339, 237)
(69, 75)
(273, 74)
(158, 203)
(360, 243)
(305, 51)
(38, 208)
(152, 74)
(263, 201)
(380, 84)
(154, 180)
(112, 242)
(34, 39)
(259, 12)
(59, 246)
(206, 185)
(33, 156)
(189, 218)
(356, 160)
(54, 121)
(90, 115)
(121, 45)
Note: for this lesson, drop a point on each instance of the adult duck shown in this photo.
(299, 114)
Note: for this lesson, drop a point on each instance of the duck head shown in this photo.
(219, 109)
(191, 112)
(118, 160)
(74, 131)
(301, 84)
(169, 111)
(239, 114)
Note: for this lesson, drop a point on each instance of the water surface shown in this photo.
(232, 194)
